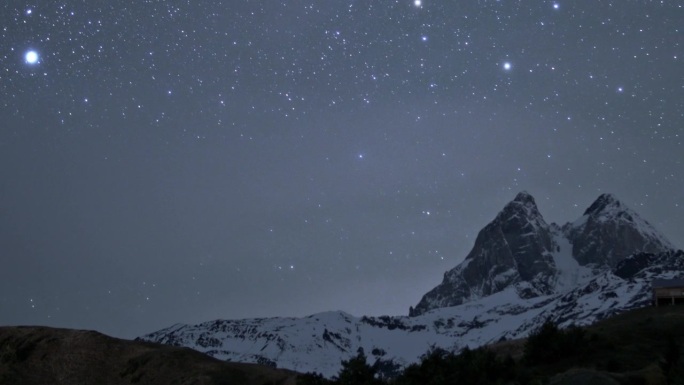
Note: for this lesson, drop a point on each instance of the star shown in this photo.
(343, 127)
(31, 57)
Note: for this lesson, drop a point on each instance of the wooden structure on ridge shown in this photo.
(668, 292)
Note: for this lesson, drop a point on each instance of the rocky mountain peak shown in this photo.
(515, 248)
(604, 203)
(519, 250)
(609, 231)
(523, 202)
(524, 197)
(521, 212)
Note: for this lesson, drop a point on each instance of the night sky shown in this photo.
(182, 161)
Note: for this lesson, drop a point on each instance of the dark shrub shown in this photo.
(548, 344)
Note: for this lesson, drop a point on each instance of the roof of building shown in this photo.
(664, 283)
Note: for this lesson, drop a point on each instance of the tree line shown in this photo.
(547, 351)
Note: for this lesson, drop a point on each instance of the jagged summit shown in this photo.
(524, 197)
(603, 203)
(610, 231)
(519, 250)
(514, 249)
(521, 211)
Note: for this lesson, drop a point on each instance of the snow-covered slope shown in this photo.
(569, 273)
(520, 272)
(321, 341)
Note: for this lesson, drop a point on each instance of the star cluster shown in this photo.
(175, 162)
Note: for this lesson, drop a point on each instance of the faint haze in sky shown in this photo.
(164, 162)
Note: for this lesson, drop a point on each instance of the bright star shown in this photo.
(418, 3)
(556, 6)
(507, 66)
(31, 57)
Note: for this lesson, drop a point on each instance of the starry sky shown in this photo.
(182, 161)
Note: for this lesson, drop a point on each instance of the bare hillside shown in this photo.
(42, 355)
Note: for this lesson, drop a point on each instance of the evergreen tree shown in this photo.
(548, 344)
(356, 371)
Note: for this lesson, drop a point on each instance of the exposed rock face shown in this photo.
(649, 266)
(609, 232)
(519, 248)
(514, 247)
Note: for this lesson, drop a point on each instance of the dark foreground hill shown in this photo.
(641, 346)
(42, 355)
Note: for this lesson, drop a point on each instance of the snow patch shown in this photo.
(569, 273)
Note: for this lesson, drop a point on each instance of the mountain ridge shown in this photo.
(519, 248)
(520, 272)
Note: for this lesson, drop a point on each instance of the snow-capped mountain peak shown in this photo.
(523, 211)
(604, 203)
(524, 198)
(518, 248)
(609, 232)
(514, 249)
